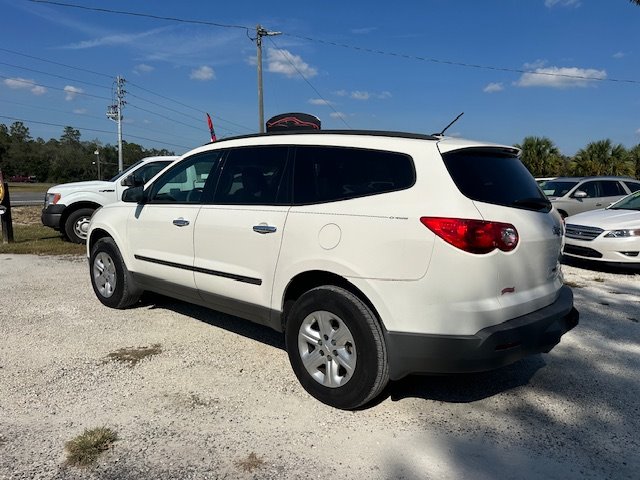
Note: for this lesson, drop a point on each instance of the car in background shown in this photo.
(541, 180)
(23, 178)
(573, 195)
(611, 235)
(68, 207)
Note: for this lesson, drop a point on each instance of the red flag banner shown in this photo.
(213, 134)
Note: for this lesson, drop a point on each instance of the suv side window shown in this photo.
(633, 186)
(186, 182)
(326, 174)
(611, 188)
(252, 176)
(590, 188)
(148, 171)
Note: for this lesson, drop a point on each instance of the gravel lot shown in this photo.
(222, 389)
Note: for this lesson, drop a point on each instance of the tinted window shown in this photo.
(633, 186)
(325, 174)
(590, 188)
(148, 171)
(493, 176)
(611, 188)
(251, 176)
(632, 202)
(186, 181)
(556, 188)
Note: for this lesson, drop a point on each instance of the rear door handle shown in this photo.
(180, 222)
(264, 229)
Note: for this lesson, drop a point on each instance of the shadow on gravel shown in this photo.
(465, 388)
(230, 323)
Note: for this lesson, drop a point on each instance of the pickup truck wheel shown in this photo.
(336, 347)
(111, 281)
(77, 225)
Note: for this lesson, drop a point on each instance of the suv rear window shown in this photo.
(325, 174)
(495, 176)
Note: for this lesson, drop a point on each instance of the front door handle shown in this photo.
(263, 228)
(180, 222)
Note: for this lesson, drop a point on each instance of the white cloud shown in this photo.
(383, 95)
(38, 90)
(562, 3)
(284, 62)
(143, 68)
(535, 64)
(363, 31)
(71, 92)
(561, 77)
(337, 115)
(619, 55)
(203, 73)
(79, 111)
(493, 88)
(319, 101)
(342, 93)
(19, 83)
(117, 39)
(360, 95)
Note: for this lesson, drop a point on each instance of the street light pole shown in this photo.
(97, 154)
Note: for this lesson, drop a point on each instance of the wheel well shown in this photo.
(95, 236)
(76, 206)
(306, 281)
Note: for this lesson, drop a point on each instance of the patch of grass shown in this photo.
(251, 463)
(85, 449)
(40, 240)
(134, 355)
(30, 187)
(30, 236)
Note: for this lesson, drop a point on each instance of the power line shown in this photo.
(92, 130)
(145, 15)
(351, 47)
(286, 54)
(56, 63)
(75, 80)
(34, 84)
(162, 116)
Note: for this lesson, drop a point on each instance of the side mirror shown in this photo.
(134, 195)
(132, 181)
(580, 194)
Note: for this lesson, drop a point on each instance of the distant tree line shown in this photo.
(64, 160)
(543, 159)
(70, 159)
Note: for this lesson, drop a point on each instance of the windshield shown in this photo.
(555, 188)
(126, 170)
(631, 202)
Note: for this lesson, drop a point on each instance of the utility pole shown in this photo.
(261, 32)
(114, 112)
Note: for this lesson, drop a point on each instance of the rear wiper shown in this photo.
(533, 203)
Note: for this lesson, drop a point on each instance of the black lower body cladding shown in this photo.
(490, 348)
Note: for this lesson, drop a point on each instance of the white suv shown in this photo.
(377, 254)
(68, 207)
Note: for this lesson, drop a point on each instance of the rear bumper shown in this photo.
(490, 348)
(51, 216)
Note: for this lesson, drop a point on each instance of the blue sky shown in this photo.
(175, 71)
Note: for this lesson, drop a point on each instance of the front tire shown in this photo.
(77, 225)
(110, 279)
(336, 347)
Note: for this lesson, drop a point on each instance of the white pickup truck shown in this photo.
(68, 207)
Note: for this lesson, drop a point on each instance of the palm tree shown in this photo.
(603, 158)
(540, 156)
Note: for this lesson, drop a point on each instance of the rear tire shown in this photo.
(77, 225)
(110, 279)
(336, 347)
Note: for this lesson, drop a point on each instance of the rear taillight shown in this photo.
(473, 236)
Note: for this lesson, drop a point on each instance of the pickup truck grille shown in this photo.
(580, 232)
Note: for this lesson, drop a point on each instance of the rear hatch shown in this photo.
(503, 190)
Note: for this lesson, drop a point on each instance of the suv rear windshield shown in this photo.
(495, 176)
